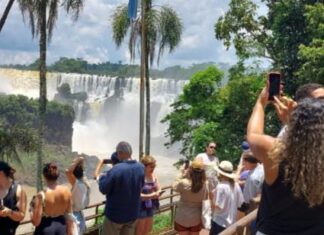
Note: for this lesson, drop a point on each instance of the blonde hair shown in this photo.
(148, 160)
(302, 152)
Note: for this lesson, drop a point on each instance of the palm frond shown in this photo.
(135, 34)
(38, 9)
(120, 24)
(75, 6)
(52, 17)
(170, 30)
(152, 27)
(27, 10)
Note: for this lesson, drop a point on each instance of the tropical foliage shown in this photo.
(20, 121)
(312, 56)
(277, 35)
(205, 112)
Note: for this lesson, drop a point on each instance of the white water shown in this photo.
(108, 121)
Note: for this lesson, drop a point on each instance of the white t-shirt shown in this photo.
(253, 183)
(209, 162)
(228, 199)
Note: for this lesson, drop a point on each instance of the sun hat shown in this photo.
(226, 168)
(198, 165)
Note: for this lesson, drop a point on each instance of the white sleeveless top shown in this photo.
(80, 195)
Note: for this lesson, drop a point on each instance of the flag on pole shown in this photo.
(132, 9)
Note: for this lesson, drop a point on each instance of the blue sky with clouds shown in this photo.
(91, 36)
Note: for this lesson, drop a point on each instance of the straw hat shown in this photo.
(226, 168)
(198, 165)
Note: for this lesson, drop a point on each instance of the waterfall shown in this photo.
(110, 113)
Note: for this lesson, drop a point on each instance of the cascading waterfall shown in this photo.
(111, 111)
(114, 111)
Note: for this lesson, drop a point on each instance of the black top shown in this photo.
(7, 225)
(282, 213)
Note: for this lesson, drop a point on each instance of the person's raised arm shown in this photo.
(260, 143)
(69, 171)
(98, 168)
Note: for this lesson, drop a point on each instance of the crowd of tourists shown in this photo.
(282, 176)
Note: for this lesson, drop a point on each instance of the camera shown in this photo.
(274, 84)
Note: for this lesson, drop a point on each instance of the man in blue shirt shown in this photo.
(122, 186)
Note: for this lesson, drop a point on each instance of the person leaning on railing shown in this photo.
(292, 200)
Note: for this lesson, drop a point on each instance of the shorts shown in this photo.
(180, 228)
(145, 213)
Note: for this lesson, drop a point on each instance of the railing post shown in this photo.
(97, 211)
(172, 206)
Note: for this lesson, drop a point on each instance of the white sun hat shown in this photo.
(226, 168)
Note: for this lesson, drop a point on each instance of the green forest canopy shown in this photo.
(71, 65)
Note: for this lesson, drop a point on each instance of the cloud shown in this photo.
(91, 36)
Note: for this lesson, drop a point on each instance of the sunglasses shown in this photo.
(150, 166)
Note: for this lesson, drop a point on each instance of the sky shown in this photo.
(90, 37)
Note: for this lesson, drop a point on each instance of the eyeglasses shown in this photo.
(212, 147)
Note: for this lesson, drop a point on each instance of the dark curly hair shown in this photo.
(78, 171)
(302, 151)
(305, 91)
(50, 171)
(7, 169)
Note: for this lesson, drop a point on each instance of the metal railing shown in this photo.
(167, 203)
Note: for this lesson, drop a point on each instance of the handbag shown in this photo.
(206, 211)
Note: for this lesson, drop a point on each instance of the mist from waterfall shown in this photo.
(106, 117)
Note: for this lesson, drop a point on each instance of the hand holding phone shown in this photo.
(274, 85)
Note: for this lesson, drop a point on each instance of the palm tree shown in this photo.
(162, 27)
(43, 25)
(6, 13)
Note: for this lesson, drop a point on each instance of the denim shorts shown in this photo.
(81, 221)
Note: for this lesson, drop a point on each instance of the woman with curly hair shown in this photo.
(193, 190)
(292, 200)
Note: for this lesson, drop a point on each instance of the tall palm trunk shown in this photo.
(143, 72)
(5, 13)
(42, 92)
(147, 89)
(148, 105)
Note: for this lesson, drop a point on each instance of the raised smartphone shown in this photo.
(274, 85)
